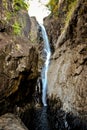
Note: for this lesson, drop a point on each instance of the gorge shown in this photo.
(24, 55)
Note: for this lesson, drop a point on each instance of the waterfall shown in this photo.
(46, 65)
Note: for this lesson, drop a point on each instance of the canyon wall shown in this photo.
(21, 60)
(67, 76)
(19, 57)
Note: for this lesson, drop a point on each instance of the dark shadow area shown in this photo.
(52, 117)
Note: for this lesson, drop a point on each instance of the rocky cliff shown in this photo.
(18, 56)
(67, 76)
(21, 59)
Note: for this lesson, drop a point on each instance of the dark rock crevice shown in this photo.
(52, 117)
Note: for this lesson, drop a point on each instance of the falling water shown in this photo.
(46, 65)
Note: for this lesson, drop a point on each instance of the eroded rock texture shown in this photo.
(18, 71)
(55, 24)
(67, 77)
(18, 58)
(11, 122)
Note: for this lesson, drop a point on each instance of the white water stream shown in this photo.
(46, 65)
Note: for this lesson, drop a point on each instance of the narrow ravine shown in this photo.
(39, 116)
(47, 53)
(39, 119)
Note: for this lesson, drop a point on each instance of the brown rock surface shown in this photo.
(18, 70)
(11, 122)
(18, 58)
(67, 76)
(55, 24)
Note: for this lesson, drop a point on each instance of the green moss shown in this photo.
(16, 5)
(19, 4)
(16, 28)
(8, 15)
(53, 7)
(4, 4)
(71, 6)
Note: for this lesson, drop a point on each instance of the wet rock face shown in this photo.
(67, 76)
(11, 122)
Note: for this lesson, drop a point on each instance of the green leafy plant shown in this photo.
(8, 15)
(5, 4)
(20, 4)
(16, 28)
(71, 6)
(53, 6)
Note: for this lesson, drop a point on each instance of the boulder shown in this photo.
(18, 71)
(11, 122)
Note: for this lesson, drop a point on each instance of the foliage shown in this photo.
(71, 6)
(16, 28)
(15, 5)
(53, 6)
(8, 15)
(19, 4)
(4, 4)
